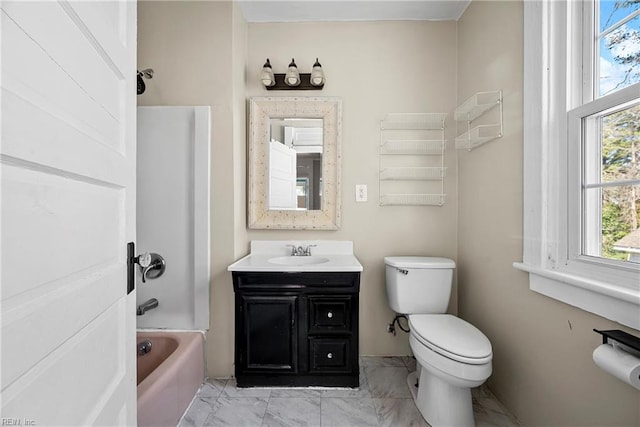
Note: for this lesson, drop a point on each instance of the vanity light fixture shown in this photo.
(147, 74)
(267, 77)
(292, 79)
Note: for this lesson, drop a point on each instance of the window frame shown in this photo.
(551, 179)
(576, 148)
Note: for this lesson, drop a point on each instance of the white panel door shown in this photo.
(67, 174)
(282, 176)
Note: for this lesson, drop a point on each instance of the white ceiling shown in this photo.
(351, 10)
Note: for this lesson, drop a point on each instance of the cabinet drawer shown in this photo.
(329, 355)
(297, 282)
(329, 314)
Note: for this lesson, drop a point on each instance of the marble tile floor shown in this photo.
(383, 399)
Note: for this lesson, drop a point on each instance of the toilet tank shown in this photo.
(419, 285)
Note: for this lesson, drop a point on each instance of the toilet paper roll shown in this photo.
(619, 363)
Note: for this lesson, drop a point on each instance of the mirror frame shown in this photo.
(261, 111)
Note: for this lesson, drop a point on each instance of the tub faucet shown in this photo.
(144, 347)
(152, 266)
(147, 305)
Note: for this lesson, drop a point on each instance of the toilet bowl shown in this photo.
(452, 355)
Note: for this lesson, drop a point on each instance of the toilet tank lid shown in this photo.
(419, 262)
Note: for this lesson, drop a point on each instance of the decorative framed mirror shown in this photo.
(294, 163)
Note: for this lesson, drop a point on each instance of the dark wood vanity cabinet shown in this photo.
(296, 329)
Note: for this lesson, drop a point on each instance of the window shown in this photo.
(605, 151)
(604, 131)
(613, 57)
(582, 189)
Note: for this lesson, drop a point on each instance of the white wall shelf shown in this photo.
(477, 136)
(415, 121)
(412, 168)
(474, 108)
(412, 199)
(406, 173)
(420, 147)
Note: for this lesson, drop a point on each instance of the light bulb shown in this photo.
(266, 75)
(292, 78)
(317, 75)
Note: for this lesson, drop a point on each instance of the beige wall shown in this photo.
(376, 68)
(543, 370)
(240, 73)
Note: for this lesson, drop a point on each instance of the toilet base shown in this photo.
(440, 403)
(411, 382)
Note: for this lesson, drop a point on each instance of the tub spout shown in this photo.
(147, 305)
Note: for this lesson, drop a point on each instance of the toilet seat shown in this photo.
(451, 337)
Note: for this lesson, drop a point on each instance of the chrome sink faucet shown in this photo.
(301, 251)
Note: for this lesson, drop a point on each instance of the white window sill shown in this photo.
(604, 299)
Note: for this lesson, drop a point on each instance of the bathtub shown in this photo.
(168, 376)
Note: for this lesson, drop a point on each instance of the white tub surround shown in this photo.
(275, 255)
(173, 213)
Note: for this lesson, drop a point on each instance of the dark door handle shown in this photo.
(132, 260)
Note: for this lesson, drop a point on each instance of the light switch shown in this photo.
(361, 192)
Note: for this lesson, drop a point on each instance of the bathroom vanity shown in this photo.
(296, 317)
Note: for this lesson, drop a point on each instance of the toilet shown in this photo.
(452, 355)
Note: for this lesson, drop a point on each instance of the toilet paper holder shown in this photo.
(621, 337)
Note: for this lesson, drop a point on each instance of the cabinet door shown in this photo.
(269, 331)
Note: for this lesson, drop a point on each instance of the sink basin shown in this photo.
(298, 260)
(275, 256)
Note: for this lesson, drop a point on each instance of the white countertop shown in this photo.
(334, 256)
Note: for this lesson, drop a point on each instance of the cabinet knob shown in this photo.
(329, 315)
(330, 356)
